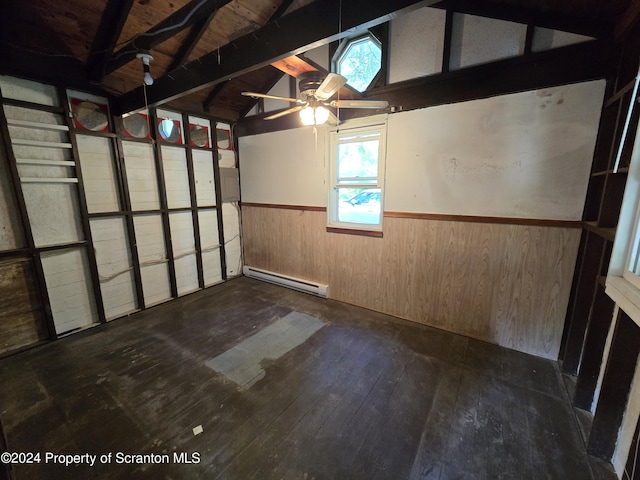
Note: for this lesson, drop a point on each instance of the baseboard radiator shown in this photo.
(305, 286)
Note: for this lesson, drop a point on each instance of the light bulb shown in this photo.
(307, 115)
(322, 115)
(314, 115)
(146, 59)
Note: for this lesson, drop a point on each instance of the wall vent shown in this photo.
(305, 286)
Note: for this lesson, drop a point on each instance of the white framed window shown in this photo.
(356, 185)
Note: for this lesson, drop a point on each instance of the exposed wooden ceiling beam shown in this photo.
(574, 23)
(104, 41)
(313, 25)
(575, 63)
(191, 41)
(190, 14)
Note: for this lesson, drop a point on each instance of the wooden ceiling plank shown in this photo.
(104, 41)
(599, 27)
(191, 41)
(187, 16)
(294, 66)
(310, 26)
(208, 103)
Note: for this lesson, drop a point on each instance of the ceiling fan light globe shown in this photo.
(307, 115)
(314, 116)
(322, 115)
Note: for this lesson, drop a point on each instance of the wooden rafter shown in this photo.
(310, 26)
(191, 41)
(190, 14)
(104, 41)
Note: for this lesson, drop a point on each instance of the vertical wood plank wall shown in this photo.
(505, 284)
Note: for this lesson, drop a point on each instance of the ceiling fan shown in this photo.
(315, 91)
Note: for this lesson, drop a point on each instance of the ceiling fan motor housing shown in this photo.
(309, 83)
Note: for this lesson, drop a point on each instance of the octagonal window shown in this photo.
(359, 60)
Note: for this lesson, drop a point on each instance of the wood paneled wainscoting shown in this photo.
(504, 281)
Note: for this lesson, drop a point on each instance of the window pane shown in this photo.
(360, 62)
(358, 160)
(358, 205)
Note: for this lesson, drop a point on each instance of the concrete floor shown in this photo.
(344, 393)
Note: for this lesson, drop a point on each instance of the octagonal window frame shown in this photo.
(344, 48)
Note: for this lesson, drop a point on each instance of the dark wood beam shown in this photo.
(310, 26)
(192, 13)
(281, 10)
(528, 42)
(576, 63)
(206, 105)
(574, 23)
(446, 49)
(191, 41)
(104, 41)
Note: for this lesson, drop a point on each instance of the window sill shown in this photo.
(355, 231)
(626, 296)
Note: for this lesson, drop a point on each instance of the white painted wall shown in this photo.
(524, 155)
(204, 178)
(184, 249)
(287, 167)
(320, 55)
(68, 282)
(210, 245)
(176, 178)
(476, 40)
(416, 44)
(98, 173)
(141, 175)
(28, 91)
(115, 267)
(153, 258)
(232, 241)
(546, 39)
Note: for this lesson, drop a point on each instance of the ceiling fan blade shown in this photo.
(273, 97)
(285, 112)
(330, 85)
(359, 104)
